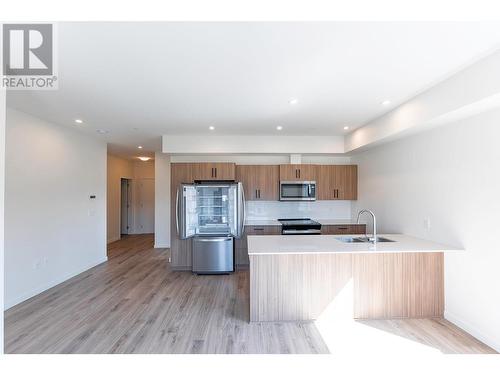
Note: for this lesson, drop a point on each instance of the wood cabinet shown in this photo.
(180, 250)
(260, 182)
(298, 287)
(337, 182)
(344, 229)
(214, 171)
(400, 285)
(298, 172)
(241, 246)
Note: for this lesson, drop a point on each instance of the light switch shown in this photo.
(427, 223)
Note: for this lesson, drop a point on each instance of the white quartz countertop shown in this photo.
(264, 222)
(325, 244)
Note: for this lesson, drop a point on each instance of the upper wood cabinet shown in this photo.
(260, 182)
(214, 171)
(298, 172)
(337, 182)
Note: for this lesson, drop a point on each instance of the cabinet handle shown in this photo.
(299, 173)
(212, 173)
(259, 193)
(256, 193)
(215, 172)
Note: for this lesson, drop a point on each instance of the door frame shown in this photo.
(125, 196)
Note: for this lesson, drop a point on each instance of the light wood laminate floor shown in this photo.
(134, 303)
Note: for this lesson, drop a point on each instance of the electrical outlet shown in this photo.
(427, 224)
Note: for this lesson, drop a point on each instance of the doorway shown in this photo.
(125, 207)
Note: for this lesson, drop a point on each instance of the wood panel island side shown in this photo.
(294, 278)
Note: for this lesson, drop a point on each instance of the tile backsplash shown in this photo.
(258, 210)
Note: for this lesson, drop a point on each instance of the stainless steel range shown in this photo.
(300, 226)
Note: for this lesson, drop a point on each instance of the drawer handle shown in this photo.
(342, 228)
(258, 228)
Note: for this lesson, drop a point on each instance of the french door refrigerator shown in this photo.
(213, 214)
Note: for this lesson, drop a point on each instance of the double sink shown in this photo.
(350, 239)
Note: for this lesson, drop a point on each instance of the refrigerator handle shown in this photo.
(243, 208)
(177, 212)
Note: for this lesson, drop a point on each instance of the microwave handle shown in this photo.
(309, 190)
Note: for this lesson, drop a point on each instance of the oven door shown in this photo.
(297, 190)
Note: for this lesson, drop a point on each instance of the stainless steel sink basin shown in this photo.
(363, 239)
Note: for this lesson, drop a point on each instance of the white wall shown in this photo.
(53, 230)
(251, 144)
(449, 175)
(471, 91)
(258, 159)
(2, 189)
(162, 200)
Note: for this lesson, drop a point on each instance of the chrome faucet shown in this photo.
(374, 240)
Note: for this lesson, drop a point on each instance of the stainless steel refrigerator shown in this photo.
(213, 214)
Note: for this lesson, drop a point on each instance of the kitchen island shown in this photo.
(296, 277)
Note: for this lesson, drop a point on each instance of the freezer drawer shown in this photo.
(213, 255)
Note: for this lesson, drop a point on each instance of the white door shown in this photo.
(145, 205)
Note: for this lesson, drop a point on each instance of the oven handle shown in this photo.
(301, 231)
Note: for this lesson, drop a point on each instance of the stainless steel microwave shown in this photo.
(297, 190)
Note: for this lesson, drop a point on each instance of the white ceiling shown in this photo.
(141, 80)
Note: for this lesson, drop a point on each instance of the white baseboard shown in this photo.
(42, 288)
(493, 342)
(162, 246)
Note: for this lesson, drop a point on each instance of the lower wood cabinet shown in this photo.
(398, 285)
(298, 287)
(241, 246)
(344, 229)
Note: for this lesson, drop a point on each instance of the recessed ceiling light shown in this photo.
(78, 121)
(386, 102)
(211, 127)
(293, 101)
(144, 158)
(279, 127)
(139, 146)
(346, 128)
(102, 131)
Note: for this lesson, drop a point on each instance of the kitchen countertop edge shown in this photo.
(329, 244)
